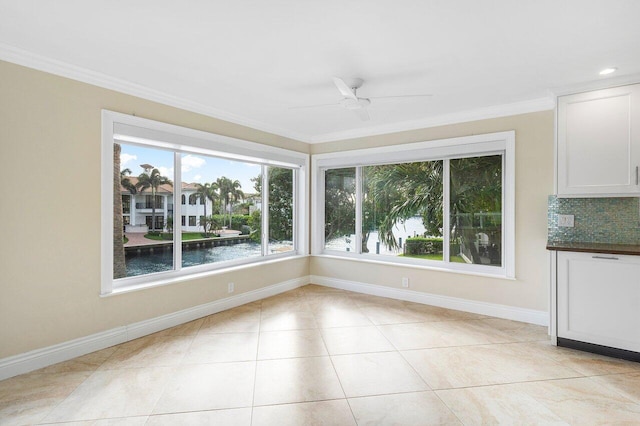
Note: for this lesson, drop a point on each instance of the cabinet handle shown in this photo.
(605, 257)
(636, 175)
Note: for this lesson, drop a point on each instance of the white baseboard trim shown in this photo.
(40, 358)
(492, 309)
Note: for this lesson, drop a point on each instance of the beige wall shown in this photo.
(50, 214)
(534, 182)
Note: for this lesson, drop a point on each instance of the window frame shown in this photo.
(128, 129)
(502, 143)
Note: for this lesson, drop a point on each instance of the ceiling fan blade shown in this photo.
(362, 113)
(400, 96)
(314, 106)
(344, 88)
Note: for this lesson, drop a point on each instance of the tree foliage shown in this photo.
(230, 191)
(340, 203)
(152, 180)
(280, 203)
(393, 193)
(119, 265)
(476, 189)
(126, 182)
(207, 192)
(396, 192)
(210, 223)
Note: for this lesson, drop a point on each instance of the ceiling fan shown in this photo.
(352, 102)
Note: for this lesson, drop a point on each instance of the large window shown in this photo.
(443, 204)
(154, 168)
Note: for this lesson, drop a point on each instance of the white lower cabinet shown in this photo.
(598, 299)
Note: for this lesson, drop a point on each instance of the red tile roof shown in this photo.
(162, 189)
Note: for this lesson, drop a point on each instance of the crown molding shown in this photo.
(534, 105)
(43, 63)
(601, 83)
(53, 66)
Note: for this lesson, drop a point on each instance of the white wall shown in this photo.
(50, 249)
(534, 182)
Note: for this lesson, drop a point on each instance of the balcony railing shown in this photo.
(141, 206)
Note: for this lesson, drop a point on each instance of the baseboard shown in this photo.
(492, 309)
(39, 358)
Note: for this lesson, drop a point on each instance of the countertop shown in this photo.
(629, 249)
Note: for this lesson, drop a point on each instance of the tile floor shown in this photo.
(320, 356)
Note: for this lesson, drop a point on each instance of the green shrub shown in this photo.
(422, 245)
(159, 236)
(237, 220)
(255, 223)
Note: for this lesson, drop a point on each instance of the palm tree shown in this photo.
(119, 265)
(400, 191)
(207, 191)
(152, 180)
(230, 191)
(126, 182)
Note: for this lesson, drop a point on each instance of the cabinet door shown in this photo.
(598, 142)
(599, 299)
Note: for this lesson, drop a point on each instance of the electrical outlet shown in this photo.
(230, 288)
(566, 220)
(405, 282)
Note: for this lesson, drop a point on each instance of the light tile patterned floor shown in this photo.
(320, 356)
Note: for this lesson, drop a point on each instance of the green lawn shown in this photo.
(435, 256)
(186, 236)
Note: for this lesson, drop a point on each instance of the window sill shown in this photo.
(358, 258)
(175, 279)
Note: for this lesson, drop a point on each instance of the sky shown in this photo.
(195, 168)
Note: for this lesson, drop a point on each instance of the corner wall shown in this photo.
(50, 214)
(534, 183)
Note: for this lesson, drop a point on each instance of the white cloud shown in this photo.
(197, 178)
(190, 162)
(164, 171)
(125, 158)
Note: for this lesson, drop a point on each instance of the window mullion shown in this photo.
(358, 245)
(265, 210)
(177, 211)
(446, 218)
(294, 209)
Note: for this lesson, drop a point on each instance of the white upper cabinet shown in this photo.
(599, 142)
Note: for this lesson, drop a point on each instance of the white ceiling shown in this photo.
(251, 61)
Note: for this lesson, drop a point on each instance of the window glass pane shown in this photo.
(280, 209)
(219, 226)
(340, 209)
(402, 210)
(476, 209)
(142, 241)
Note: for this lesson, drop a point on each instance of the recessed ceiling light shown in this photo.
(608, 71)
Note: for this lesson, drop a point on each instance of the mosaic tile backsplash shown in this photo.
(597, 220)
